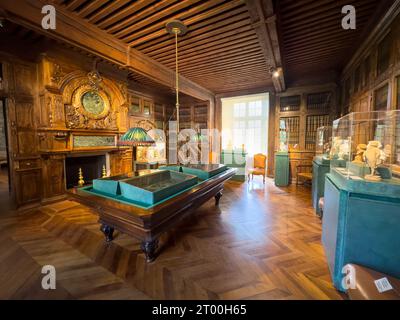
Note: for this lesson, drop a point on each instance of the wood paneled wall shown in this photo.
(43, 119)
(19, 92)
(370, 79)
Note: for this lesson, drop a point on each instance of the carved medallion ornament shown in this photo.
(90, 109)
(57, 74)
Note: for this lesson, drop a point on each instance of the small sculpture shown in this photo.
(359, 157)
(283, 147)
(327, 150)
(336, 142)
(372, 156)
(104, 172)
(343, 149)
(81, 182)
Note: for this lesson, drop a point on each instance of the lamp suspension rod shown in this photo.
(177, 78)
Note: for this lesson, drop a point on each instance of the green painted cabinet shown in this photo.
(235, 159)
(282, 175)
(361, 225)
(321, 167)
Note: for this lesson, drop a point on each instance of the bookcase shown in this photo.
(194, 116)
(302, 111)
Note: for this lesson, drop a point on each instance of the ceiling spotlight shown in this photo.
(276, 73)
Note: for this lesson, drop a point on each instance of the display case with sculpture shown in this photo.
(321, 164)
(361, 214)
(282, 157)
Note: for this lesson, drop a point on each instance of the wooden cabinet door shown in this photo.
(115, 163)
(28, 186)
(53, 176)
(25, 165)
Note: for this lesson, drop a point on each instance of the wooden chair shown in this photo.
(259, 165)
(304, 175)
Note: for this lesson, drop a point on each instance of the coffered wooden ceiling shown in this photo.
(220, 51)
(231, 45)
(312, 39)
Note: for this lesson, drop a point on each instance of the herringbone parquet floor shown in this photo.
(262, 242)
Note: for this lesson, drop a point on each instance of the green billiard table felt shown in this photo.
(119, 198)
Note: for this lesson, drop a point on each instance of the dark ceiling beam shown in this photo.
(264, 23)
(75, 31)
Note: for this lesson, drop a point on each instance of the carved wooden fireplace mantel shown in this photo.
(78, 114)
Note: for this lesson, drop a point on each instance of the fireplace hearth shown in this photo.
(91, 166)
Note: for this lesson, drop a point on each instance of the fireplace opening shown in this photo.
(91, 166)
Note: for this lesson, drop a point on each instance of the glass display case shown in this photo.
(366, 146)
(323, 142)
(321, 164)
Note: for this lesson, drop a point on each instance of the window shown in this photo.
(239, 110)
(255, 108)
(253, 134)
(244, 123)
(239, 130)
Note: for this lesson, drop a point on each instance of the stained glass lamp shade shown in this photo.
(197, 138)
(135, 137)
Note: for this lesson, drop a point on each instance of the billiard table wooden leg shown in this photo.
(149, 248)
(108, 232)
(217, 197)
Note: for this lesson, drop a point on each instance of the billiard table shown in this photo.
(147, 203)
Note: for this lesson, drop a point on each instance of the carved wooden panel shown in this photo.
(24, 114)
(120, 162)
(384, 54)
(26, 143)
(53, 141)
(398, 93)
(25, 126)
(127, 161)
(381, 98)
(53, 176)
(78, 116)
(2, 78)
(28, 186)
(116, 163)
(24, 79)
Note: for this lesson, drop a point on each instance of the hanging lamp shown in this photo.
(176, 28)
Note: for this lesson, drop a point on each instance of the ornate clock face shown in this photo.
(93, 102)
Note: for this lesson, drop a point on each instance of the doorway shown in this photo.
(5, 186)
